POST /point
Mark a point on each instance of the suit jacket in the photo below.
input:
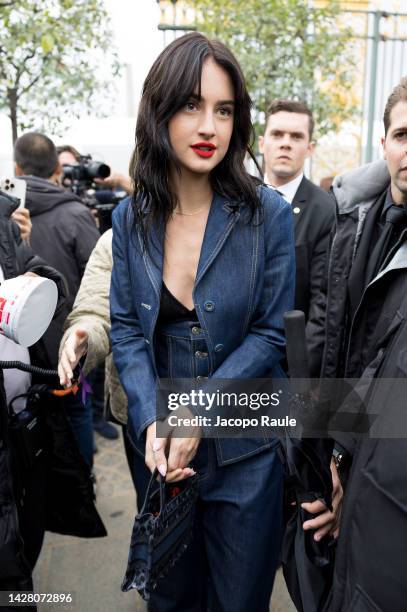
(244, 284)
(312, 228)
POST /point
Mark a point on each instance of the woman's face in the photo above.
(200, 132)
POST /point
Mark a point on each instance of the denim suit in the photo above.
(244, 284)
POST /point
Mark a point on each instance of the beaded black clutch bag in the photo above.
(161, 533)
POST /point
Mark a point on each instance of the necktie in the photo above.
(396, 216)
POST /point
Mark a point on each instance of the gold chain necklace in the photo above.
(190, 214)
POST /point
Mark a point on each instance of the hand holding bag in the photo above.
(161, 532)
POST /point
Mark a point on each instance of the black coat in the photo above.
(370, 569)
(312, 227)
(366, 336)
(69, 496)
(16, 257)
(64, 234)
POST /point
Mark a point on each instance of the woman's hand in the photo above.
(327, 522)
(22, 217)
(181, 451)
(76, 345)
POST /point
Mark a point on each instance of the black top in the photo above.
(171, 309)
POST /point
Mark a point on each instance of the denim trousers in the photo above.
(231, 562)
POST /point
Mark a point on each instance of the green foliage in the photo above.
(51, 55)
(288, 50)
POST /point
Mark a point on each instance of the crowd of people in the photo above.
(192, 282)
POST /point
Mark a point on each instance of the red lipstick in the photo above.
(204, 149)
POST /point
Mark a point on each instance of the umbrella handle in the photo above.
(297, 352)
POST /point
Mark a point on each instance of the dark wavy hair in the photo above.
(173, 78)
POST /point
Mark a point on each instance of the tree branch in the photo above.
(28, 87)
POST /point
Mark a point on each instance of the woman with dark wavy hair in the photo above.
(203, 272)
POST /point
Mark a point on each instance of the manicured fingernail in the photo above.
(156, 445)
(162, 469)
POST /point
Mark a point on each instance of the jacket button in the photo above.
(200, 354)
(218, 348)
(196, 330)
(201, 378)
(209, 306)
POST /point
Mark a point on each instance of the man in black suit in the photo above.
(285, 145)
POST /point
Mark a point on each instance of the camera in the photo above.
(85, 171)
(80, 179)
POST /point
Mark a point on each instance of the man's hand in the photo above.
(22, 217)
(76, 345)
(327, 522)
(181, 451)
(116, 181)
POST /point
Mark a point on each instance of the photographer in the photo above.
(100, 189)
(69, 156)
(64, 233)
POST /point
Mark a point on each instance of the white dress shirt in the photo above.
(288, 190)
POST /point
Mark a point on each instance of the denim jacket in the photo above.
(245, 282)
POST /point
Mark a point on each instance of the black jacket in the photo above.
(16, 257)
(312, 227)
(64, 232)
(69, 503)
(355, 193)
(369, 345)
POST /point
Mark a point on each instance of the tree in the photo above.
(51, 57)
(287, 50)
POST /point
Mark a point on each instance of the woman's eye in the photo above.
(225, 111)
(401, 135)
(191, 106)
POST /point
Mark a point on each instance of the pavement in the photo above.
(92, 570)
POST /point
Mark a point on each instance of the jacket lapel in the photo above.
(299, 201)
(356, 279)
(153, 258)
(221, 219)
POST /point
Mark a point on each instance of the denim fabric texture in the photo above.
(244, 284)
(238, 527)
(231, 562)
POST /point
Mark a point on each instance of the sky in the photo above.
(138, 41)
(136, 36)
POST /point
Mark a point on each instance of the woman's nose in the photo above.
(207, 124)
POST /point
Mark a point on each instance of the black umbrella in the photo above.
(307, 564)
